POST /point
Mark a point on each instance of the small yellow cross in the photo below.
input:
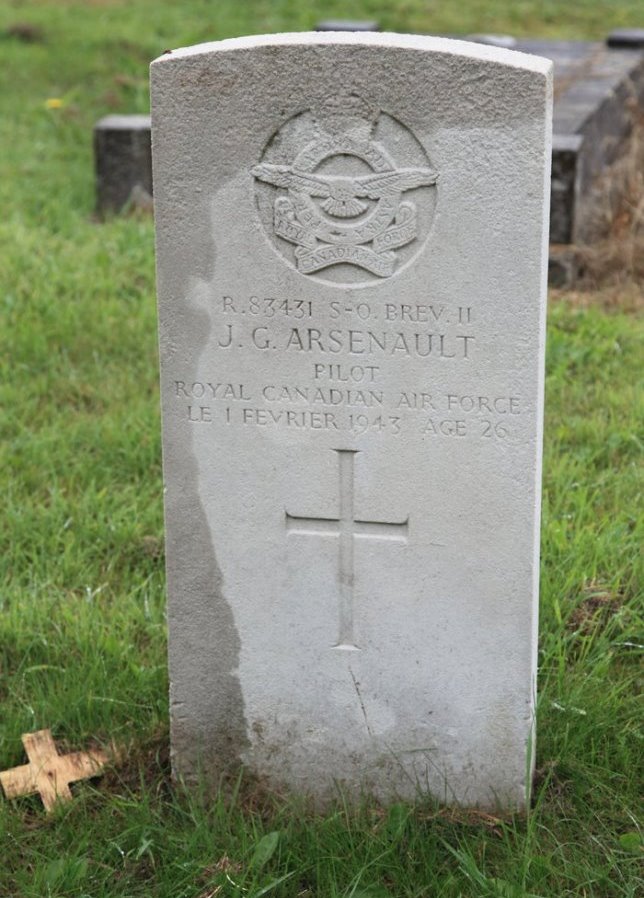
(49, 773)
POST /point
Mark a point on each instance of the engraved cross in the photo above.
(347, 527)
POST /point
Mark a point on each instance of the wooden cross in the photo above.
(347, 528)
(49, 773)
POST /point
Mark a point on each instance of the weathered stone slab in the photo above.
(351, 246)
(123, 162)
(598, 93)
(564, 186)
(598, 89)
(632, 38)
(347, 25)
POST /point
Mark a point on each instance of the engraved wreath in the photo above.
(331, 194)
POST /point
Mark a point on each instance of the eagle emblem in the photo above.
(342, 196)
(338, 201)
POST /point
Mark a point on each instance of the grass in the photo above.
(82, 632)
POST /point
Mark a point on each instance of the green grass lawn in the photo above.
(82, 632)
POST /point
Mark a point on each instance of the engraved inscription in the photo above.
(330, 191)
(347, 528)
(343, 385)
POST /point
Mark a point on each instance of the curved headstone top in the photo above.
(351, 258)
(426, 43)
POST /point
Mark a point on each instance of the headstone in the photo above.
(494, 40)
(630, 38)
(123, 161)
(347, 25)
(598, 91)
(351, 251)
(564, 195)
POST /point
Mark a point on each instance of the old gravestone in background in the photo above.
(351, 243)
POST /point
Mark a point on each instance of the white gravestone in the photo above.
(351, 247)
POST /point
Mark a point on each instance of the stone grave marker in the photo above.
(351, 251)
(122, 162)
(347, 25)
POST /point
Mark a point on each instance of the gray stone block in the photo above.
(595, 90)
(494, 40)
(563, 185)
(123, 161)
(563, 266)
(346, 25)
(626, 37)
